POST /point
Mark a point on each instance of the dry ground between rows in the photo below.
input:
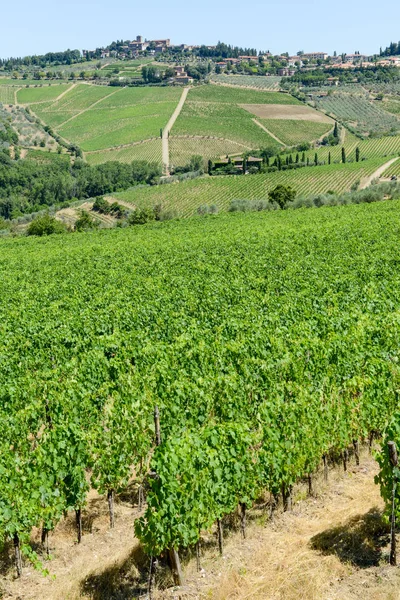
(283, 111)
(333, 546)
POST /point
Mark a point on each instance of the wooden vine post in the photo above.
(18, 556)
(394, 462)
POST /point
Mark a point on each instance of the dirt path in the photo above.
(269, 132)
(66, 92)
(167, 129)
(367, 181)
(88, 108)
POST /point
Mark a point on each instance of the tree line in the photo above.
(27, 187)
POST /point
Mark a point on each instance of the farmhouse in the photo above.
(286, 72)
(315, 56)
(238, 162)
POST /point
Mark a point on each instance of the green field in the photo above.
(248, 81)
(102, 117)
(264, 341)
(7, 94)
(41, 93)
(186, 197)
(215, 111)
(150, 151)
(394, 169)
(182, 149)
(292, 132)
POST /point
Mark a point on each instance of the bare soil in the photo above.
(286, 111)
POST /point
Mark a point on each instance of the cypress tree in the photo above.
(329, 158)
(279, 163)
(303, 157)
(308, 161)
(287, 161)
(297, 157)
(343, 155)
(357, 154)
(290, 159)
(316, 159)
(336, 131)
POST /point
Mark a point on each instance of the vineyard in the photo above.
(41, 93)
(100, 117)
(296, 131)
(185, 198)
(267, 345)
(7, 94)
(394, 169)
(147, 150)
(271, 83)
(214, 111)
(358, 114)
(183, 148)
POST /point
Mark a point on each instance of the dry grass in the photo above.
(331, 547)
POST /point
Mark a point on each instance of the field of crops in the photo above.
(41, 93)
(7, 94)
(219, 359)
(187, 197)
(249, 81)
(372, 148)
(182, 149)
(292, 132)
(392, 105)
(101, 117)
(394, 169)
(148, 150)
(215, 111)
(358, 113)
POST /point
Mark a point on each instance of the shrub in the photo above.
(85, 222)
(45, 225)
(140, 216)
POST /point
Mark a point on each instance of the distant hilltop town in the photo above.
(230, 55)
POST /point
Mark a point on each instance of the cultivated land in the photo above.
(187, 197)
(291, 313)
(285, 111)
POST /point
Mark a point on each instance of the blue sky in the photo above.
(345, 26)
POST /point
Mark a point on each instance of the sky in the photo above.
(313, 26)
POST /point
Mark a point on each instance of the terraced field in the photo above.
(186, 197)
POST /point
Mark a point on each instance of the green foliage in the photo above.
(387, 473)
(45, 225)
(85, 222)
(140, 216)
(282, 194)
